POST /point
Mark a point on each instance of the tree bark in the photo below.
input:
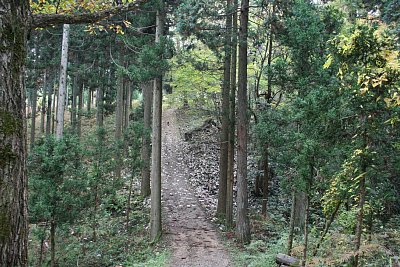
(147, 91)
(300, 211)
(362, 189)
(265, 181)
(49, 106)
(306, 218)
(118, 123)
(231, 147)
(33, 118)
(224, 136)
(62, 83)
(54, 112)
(269, 90)
(257, 182)
(13, 181)
(89, 100)
(100, 107)
(80, 109)
(155, 216)
(53, 243)
(74, 104)
(43, 110)
(127, 103)
(291, 224)
(242, 221)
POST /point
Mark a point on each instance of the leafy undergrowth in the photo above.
(335, 251)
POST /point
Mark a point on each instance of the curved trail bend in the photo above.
(192, 238)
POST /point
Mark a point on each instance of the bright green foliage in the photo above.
(368, 54)
(194, 79)
(368, 68)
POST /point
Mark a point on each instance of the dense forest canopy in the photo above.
(281, 117)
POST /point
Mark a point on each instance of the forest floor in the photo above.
(193, 239)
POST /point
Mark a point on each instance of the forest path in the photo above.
(192, 238)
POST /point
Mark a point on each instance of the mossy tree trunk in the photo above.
(13, 179)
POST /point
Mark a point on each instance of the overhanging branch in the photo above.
(46, 20)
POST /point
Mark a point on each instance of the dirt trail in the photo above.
(193, 240)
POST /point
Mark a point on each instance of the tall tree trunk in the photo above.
(13, 183)
(100, 107)
(89, 100)
(127, 89)
(63, 82)
(43, 110)
(53, 242)
(300, 212)
(54, 112)
(269, 90)
(242, 221)
(291, 224)
(80, 110)
(362, 193)
(265, 181)
(41, 250)
(155, 216)
(49, 106)
(118, 123)
(74, 104)
(224, 136)
(33, 119)
(306, 218)
(231, 147)
(99, 174)
(147, 91)
(128, 94)
(257, 182)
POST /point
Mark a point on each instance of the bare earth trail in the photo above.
(193, 239)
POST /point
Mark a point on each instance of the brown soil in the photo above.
(193, 240)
